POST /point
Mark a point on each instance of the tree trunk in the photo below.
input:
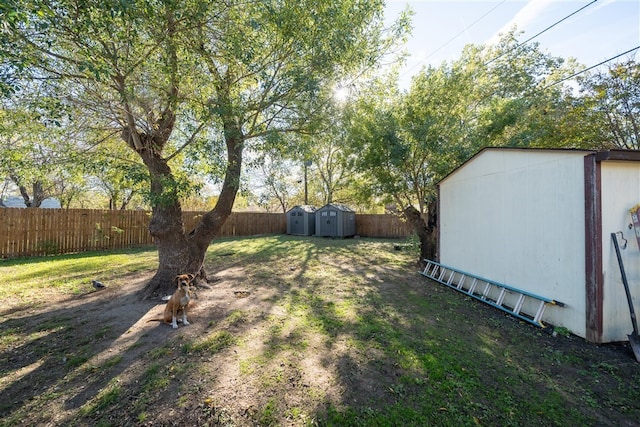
(181, 252)
(425, 227)
(38, 193)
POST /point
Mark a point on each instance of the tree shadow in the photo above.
(324, 332)
(71, 351)
(402, 350)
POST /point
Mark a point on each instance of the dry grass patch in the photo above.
(293, 331)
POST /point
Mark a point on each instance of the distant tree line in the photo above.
(178, 104)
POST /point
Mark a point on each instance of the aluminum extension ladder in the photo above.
(518, 303)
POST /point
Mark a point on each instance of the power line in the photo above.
(590, 68)
(541, 32)
(463, 31)
(509, 51)
(456, 36)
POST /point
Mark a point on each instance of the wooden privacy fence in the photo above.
(388, 226)
(29, 232)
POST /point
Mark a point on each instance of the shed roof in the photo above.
(306, 208)
(337, 206)
(601, 155)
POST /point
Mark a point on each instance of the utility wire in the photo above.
(456, 36)
(464, 30)
(590, 68)
(541, 32)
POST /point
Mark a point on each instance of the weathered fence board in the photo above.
(389, 226)
(32, 232)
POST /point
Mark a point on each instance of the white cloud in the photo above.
(599, 6)
(528, 14)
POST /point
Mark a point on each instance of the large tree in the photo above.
(608, 112)
(35, 156)
(175, 77)
(395, 164)
(500, 95)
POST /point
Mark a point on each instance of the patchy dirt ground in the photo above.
(108, 333)
(276, 345)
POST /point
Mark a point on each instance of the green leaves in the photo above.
(182, 81)
(612, 101)
(491, 96)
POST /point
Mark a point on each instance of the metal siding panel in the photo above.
(620, 192)
(518, 217)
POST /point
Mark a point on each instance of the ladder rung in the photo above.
(540, 311)
(451, 276)
(501, 296)
(436, 270)
(457, 279)
(463, 277)
(430, 268)
(519, 303)
(427, 269)
(472, 288)
(486, 291)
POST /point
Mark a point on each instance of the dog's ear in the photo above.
(191, 277)
(177, 279)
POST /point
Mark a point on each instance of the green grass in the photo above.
(112, 361)
(70, 274)
(106, 398)
(237, 317)
(334, 333)
(210, 344)
(450, 368)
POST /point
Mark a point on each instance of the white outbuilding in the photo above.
(18, 202)
(541, 220)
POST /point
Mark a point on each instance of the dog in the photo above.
(179, 302)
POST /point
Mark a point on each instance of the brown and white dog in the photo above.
(179, 302)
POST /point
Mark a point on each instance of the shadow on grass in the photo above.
(328, 332)
(403, 350)
(70, 354)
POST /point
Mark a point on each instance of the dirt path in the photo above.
(290, 340)
(90, 330)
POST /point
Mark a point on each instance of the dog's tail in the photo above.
(160, 319)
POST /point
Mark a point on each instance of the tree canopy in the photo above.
(200, 79)
(177, 93)
(502, 95)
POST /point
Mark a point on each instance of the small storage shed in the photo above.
(301, 220)
(541, 220)
(335, 220)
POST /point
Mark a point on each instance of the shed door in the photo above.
(329, 223)
(297, 222)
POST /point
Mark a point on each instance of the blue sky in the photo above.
(441, 29)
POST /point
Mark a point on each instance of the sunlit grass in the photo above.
(211, 343)
(107, 397)
(337, 314)
(237, 317)
(32, 278)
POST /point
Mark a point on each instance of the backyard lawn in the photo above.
(291, 331)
